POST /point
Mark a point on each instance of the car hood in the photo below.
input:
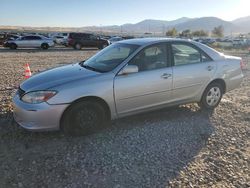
(56, 76)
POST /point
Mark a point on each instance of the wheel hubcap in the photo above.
(213, 96)
(86, 119)
(78, 46)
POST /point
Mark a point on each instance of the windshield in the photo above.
(109, 58)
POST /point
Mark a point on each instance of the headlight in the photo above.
(38, 96)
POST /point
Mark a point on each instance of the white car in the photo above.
(30, 41)
(60, 40)
(115, 39)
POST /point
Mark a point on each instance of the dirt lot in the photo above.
(176, 147)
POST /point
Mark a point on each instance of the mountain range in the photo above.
(240, 25)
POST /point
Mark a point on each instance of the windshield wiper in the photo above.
(90, 68)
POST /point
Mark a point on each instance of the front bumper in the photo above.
(38, 117)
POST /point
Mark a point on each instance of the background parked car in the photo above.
(79, 40)
(60, 40)
(31, 41)
(115, 39)
(6, 36)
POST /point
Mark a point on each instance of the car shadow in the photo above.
(145, 150)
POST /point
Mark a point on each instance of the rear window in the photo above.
(184, 53)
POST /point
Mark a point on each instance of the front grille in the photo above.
(20, 92)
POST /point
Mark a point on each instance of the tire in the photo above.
(13, 46)
(211, 96)
(83, 118)
(78, 46)
(44, 46)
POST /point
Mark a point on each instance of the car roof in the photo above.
(35, 36)
(148, 41)
(116, 37)
(31, 36)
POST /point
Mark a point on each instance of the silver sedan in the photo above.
(128, 77)
(30, 41)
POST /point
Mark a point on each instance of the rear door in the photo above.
(192, 70)
(85, 42)
(93, 41)
(148, 88)
(36, 41)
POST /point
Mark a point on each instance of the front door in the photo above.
(149, 87)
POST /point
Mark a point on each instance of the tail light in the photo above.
(70, 40)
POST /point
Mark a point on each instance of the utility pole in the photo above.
(163, 29)
(100, 29)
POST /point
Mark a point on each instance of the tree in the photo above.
(186, 33)
(218, 31)
(171, 33)
(200, 33)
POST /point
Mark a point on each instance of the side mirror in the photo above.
(129, 69)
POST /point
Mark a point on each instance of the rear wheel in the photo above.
(44, 46)
(83, 118)
(211, 96)
(78, 46)
(13, 46)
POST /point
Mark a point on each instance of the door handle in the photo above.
(166, 76)
(209, 68)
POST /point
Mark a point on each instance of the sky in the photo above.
(78, 13)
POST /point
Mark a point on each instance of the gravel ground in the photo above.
(174, 147)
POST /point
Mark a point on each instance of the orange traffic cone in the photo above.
(27, 73)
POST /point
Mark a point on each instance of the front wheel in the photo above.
(44, 46)
(211, 96)
(13, 46)
(83, 118)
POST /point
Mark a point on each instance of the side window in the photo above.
(78, 35)
(150, 58)
(87, 36)
(185, 54)
(92, 37)
(29, 38)
(24, 38)
(36, 38)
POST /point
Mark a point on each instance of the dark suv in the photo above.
(5, 36)
(79, 40)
